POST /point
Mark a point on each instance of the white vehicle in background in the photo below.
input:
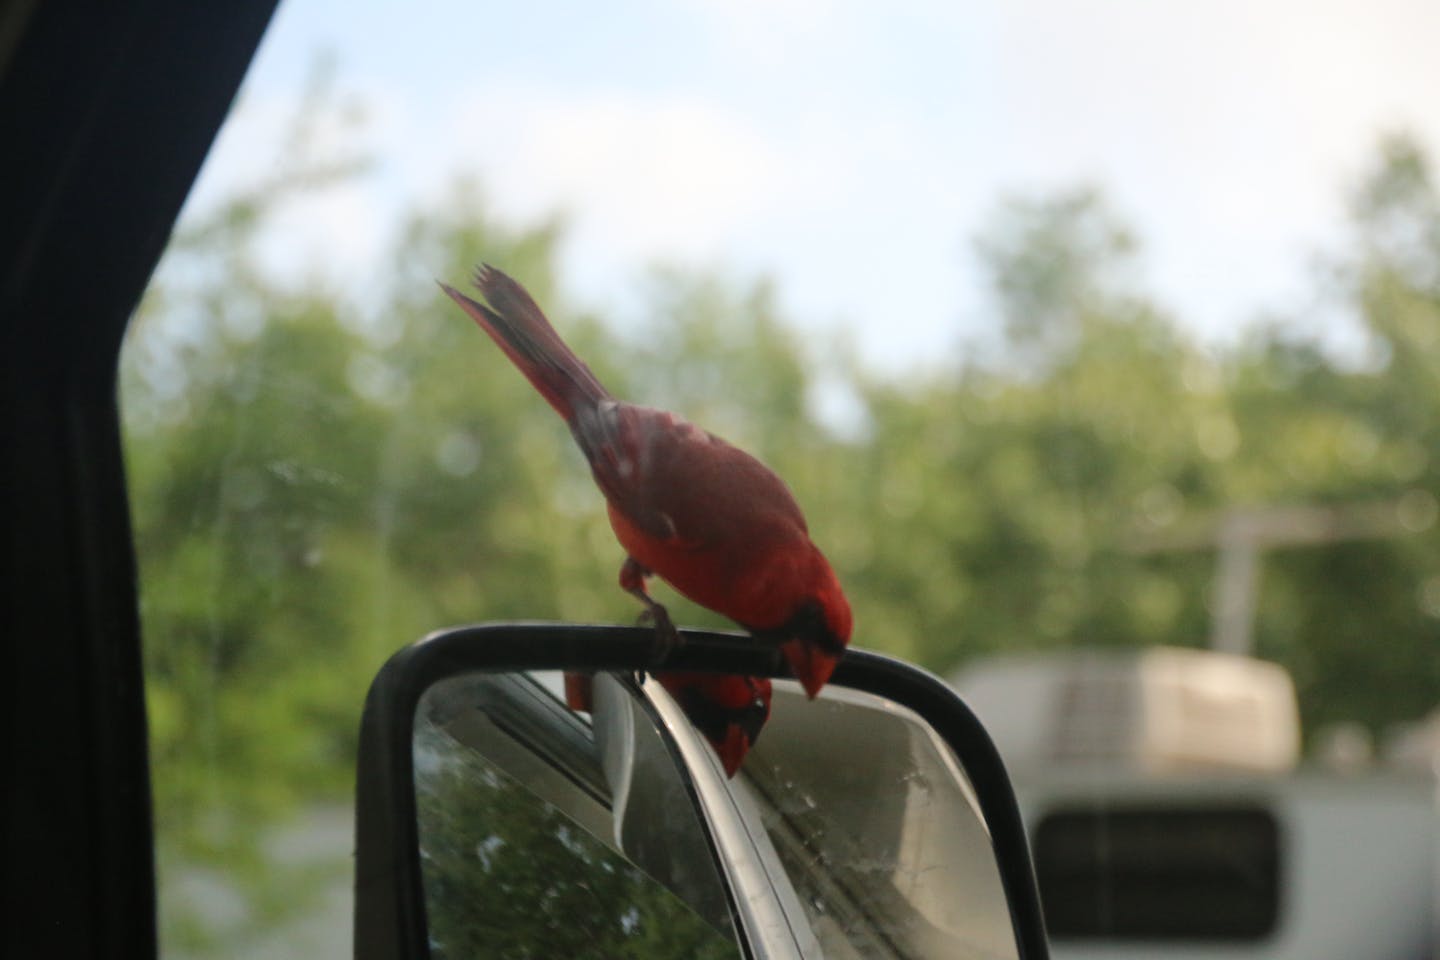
(1170, 815)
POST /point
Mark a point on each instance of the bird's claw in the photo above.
(667, 638)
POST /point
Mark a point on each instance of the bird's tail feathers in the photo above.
(517, 325)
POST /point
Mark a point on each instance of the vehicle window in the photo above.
(524, 851)
(1159, 873)
(878, 831)
(1069, 325)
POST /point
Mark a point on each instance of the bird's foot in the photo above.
(667, 638)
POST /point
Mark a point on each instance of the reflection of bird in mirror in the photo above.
(703, 515)
(729, 710)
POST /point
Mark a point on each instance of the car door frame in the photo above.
(106, 111)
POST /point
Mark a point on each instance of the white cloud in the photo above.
(852, 150)
(768, 30)
(337, 230)
(639, 175)
(1229, 130)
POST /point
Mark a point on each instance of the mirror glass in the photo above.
(549, 833)
(520, 835)
(878, 829)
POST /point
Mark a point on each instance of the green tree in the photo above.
(317, 481)
(508, 875)
(1358, 623)
(314, 484)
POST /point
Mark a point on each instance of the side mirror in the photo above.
(493, 821)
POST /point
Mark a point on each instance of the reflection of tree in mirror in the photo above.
(508, 875)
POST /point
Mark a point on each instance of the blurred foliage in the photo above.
(317, 482)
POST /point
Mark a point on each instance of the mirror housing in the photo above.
(390, 910)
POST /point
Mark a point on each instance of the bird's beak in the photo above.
(811, 665)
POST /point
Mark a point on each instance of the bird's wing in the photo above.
(683, 485)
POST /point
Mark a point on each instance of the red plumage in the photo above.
(729, 710)
(708, 518)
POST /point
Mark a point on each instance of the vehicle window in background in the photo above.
(1199, 873)
(1035, 342)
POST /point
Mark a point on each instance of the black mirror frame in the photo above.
(390, 919)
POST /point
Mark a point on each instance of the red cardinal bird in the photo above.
(729, 710)
(708, 518)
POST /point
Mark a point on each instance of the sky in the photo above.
(852, 151)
